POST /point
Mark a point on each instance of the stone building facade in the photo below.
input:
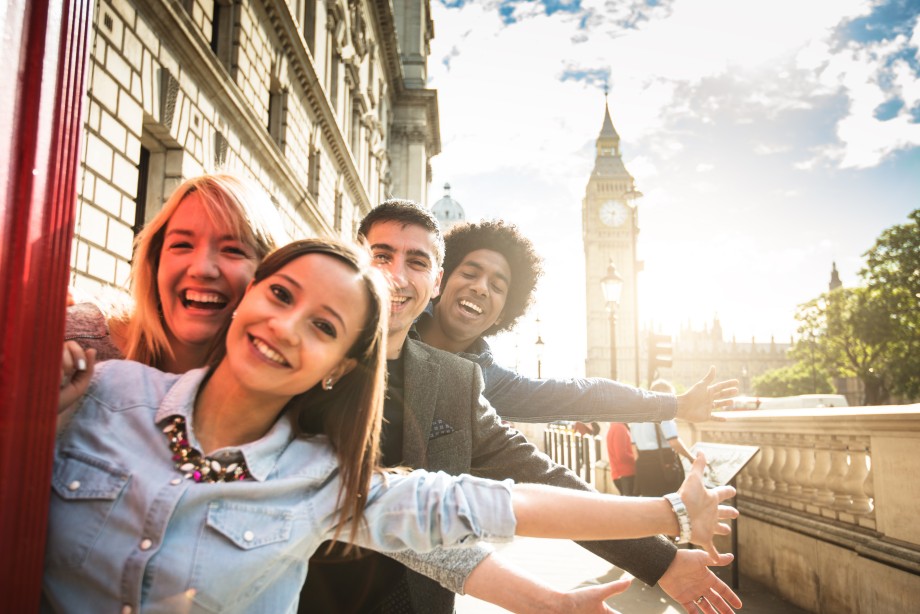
(322, 102)
(695, 350)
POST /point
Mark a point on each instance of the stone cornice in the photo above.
(194, 56)
(428, 99)
(388, 41)
(301, 62)
(382, 17)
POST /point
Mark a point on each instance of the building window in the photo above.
(355, 129)
(313, 170)
(334, 79)
(224, 33)
(277, 112)
(309, 25)
(337, 220)
(140, 201)
(159, 172)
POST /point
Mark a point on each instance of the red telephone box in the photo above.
(45, 46)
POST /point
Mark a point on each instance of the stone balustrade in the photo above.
(829, 504)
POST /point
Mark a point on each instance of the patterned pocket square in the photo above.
(440, 428)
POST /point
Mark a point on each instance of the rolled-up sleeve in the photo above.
(423, 510)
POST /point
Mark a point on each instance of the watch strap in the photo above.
(683, 518)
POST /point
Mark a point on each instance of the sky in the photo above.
(769, 139)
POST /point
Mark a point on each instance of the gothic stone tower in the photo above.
(610, 227)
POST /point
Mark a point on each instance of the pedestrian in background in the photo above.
(622, 458)
(658, 467)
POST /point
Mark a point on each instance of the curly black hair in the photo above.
(499, 236)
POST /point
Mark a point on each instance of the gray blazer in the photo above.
(449, 426)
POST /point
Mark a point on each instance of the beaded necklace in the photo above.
(195, 466)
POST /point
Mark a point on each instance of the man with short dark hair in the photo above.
(436, 418)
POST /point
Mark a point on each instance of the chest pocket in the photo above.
(450, 453)
(252, 540)
(86, 490)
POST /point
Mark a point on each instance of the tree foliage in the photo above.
(849, 333)
(871, 332)
(892, 276)
(797, 378)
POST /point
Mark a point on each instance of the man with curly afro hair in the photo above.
(490, 274)
(468, 248)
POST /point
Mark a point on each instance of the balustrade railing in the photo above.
(827, 475)
(829, 504)
(576, 451)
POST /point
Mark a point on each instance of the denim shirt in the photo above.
(127, 532)
(519, 398)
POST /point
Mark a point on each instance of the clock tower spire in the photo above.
(610, 227)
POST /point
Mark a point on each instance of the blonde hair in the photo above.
(228, 201)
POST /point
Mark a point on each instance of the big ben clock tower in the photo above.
(610, 225)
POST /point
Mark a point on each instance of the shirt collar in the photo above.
(261, 455)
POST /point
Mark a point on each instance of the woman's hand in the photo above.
(591, 599)
(76, 373)
(704, 510)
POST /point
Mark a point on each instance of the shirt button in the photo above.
(125, 609)
(249, 536)
(175, 481)
(146, 544)
(74, 485)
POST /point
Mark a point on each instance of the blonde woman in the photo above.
(191, 264)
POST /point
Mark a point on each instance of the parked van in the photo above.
(799, 401)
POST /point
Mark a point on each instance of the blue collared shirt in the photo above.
(644, 436)
(127, 531)
(594, 399)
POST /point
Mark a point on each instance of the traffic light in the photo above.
(660, 354)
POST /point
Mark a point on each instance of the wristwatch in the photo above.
(683, 518)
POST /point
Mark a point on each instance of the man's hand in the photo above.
(76, 373)
(688, 578)
(704, 509)
(696, 404)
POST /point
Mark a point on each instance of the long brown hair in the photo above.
(350, 414)
(228, 201)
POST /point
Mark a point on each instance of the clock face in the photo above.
(614, 213)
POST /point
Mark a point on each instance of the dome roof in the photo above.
(448, 211)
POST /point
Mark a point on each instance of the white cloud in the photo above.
(761, 99)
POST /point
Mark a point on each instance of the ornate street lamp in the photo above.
(612, 287)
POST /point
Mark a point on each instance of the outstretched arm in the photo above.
(547, 511)
(501, 583)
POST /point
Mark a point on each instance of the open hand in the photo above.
(697, 404)
(704, 509)
(76, 373)
(688, 578)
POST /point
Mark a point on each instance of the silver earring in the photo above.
(327, 385)
(233, 315)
